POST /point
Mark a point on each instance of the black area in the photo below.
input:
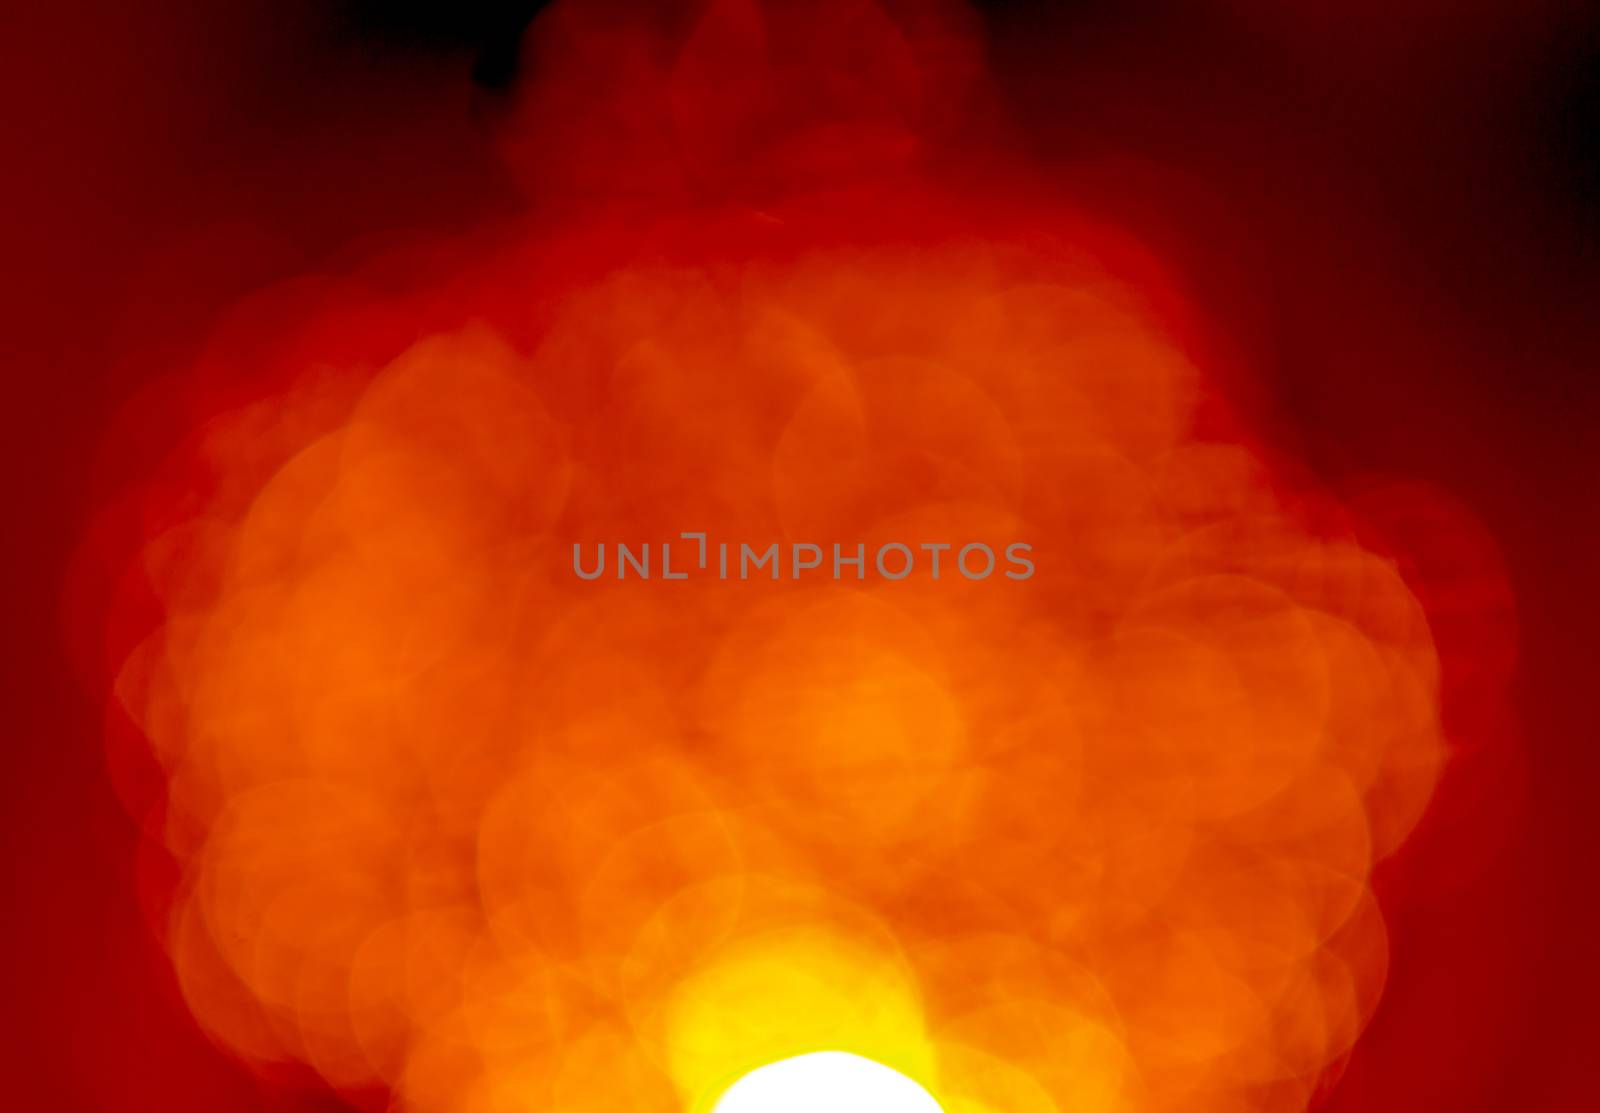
(1570, 127)
(1058, 26)
(490, 30)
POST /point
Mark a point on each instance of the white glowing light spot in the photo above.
(826, 1082)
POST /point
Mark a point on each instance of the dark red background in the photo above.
(1392, 208)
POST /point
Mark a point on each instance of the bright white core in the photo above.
(826, 1082)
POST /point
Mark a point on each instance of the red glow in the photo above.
(428, 820)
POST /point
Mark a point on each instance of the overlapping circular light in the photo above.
(453, 823)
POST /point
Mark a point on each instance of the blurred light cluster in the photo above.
(455, 826)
